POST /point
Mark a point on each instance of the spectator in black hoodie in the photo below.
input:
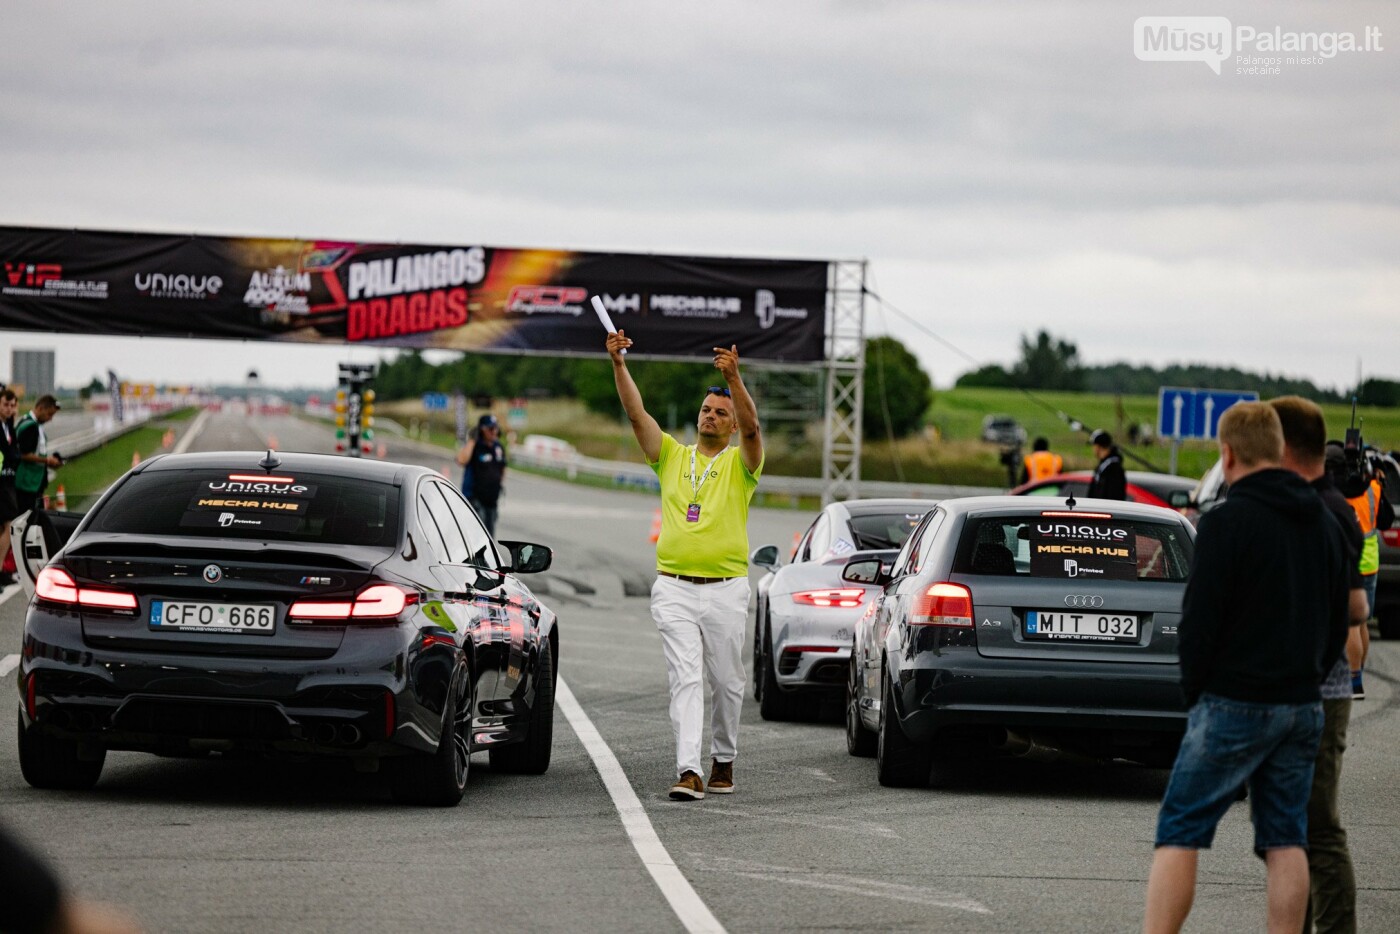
(1263, 621)
(1109, 481)
(1332, 906)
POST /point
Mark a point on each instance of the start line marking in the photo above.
(683, 900)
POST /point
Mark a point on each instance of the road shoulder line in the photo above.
(692, 912)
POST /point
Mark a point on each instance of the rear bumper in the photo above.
(812, 651)
(959, 688)
(375, 699)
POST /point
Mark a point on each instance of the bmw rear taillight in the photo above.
(55, 585)
(375, 602)
(850, 596)
(942, 604)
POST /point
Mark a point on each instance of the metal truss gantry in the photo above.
(845, 380)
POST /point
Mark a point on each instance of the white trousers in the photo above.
(702, 631)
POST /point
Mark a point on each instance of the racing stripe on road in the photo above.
(199, 422)
(683, 900)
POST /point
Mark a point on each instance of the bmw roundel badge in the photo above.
(213, 574)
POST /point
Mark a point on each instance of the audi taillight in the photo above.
(850, 596)
(942, 604)
(56, 585)
(377, 601)
(1391, 537)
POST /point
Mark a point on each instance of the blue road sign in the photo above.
(1195, 413)
(435, 401)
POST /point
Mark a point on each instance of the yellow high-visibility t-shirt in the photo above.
(717, 543)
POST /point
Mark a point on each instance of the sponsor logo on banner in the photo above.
(410, 294)
(696, 306)
(280, 290)
(547, 300)
(420, 272)
(180, 285)
(1104, 550)
(622, 304)
(765, 306)
(45, 280)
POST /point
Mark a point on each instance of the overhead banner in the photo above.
(470, 298)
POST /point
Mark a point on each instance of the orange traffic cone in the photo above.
(168, 439)
(272, 442)
(60, 500)
(383, 450)
(796, 540)
(655, 535)
(135, 458)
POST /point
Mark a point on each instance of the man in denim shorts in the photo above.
(1263, 620)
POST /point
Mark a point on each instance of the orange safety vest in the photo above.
(1368, 507)
(1043, 464)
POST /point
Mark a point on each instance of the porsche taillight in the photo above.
(846, 596)
(942, 604)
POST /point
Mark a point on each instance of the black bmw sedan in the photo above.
(1014, 627)
(292, 604)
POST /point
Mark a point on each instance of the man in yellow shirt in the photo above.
(701, 596)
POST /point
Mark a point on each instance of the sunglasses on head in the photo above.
(717, 391)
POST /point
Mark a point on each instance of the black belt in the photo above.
(692, 579)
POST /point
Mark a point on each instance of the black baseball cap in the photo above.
(1101, 438)
(487, 421)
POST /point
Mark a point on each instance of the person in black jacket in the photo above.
(1332, 905)
(1110, 482)
(1263, 621)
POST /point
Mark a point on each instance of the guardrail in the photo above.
(71, 445)
(640, 477)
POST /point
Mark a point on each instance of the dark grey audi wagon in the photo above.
(1009, 627)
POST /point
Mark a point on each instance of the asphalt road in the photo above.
(809, 842)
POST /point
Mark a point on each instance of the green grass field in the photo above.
(87, 476)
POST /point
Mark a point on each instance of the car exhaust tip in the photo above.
(349, 734)
(323, 733)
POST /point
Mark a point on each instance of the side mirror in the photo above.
(766, 556)
(1179, 499)
(865, 571)
(528, 558)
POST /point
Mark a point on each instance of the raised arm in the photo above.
(646, 429)
(745, 412)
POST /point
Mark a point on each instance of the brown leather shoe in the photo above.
(687, 788)
(721, 778)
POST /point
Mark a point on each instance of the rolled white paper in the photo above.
(603, 317)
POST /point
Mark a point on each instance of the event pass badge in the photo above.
(692, 514)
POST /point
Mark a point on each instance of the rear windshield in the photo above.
(1075, 548)
(280, 507)
(884, 530)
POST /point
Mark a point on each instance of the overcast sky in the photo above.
(1005, 167)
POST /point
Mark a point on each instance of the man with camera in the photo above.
(32, 471)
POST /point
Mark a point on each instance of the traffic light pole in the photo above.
(354, 409)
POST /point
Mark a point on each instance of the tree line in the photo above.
(897, 390)
(1051, 363)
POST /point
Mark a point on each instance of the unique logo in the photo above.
(1084, 601)
(179, 285)
(212, 572)
(226, 519)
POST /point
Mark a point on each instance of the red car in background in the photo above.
(1152, 489)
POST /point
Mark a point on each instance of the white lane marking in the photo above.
(684, 901)
(199, 421)
(9, 592)
(7, 664)
(838, 882)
